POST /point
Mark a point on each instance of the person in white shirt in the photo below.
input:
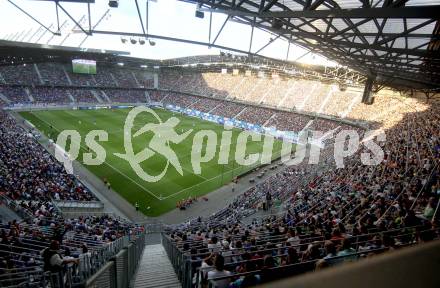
(214, 245)
(84, 259)
(226, 252)
(219, 271)
(293, 239)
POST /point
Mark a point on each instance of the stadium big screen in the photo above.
(83, 66)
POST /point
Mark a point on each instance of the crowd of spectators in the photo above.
(276, 92)
(256, 115)
(259, 253)
(222, 85)
(157, 96)
(31, 180)
(319, 98)
(286, 121)
(58, 74)
(205, 105)
(228, 109)
(15, 94)
(191, 82)
(52, 74)
(78, 79)
(296, 94)
(21, 74)
(124, 78)
(179, 99)
(328, 215)
(248, 90)
(299, 94)
(341, 103)
(168, 80)
(83, 95)
(29, 172)
(105, 77)
(340, 215)
(75, 246)
(144, 79)
(49, 95)
(126, 95)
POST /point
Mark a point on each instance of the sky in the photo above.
(166, 17)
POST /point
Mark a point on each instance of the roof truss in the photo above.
(394, 38)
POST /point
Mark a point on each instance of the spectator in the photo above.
(53, 261)
(219, 271)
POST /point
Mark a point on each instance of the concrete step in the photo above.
(153, 277)
(164, 283)
(155, 269)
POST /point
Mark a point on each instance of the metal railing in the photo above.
(120, 269)
(275, 273)
(112, 265)
(186, 264)
(13, 205)
(78, 204)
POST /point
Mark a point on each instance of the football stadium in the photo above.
(219, 143)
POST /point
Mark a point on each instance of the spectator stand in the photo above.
(309, 249)
(84, 271)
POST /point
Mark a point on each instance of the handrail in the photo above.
(77, 204)
(380, 250)
(436, 210)
(178, 244)
(11, 204)
(315, 243)
(393, 202)
(89, 264)
(183, 262)
(424, 185)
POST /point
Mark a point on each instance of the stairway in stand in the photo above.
(155, 269)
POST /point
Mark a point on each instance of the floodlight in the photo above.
(113, 3)
(200, 14)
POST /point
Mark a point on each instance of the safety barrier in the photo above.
(270, 274)
(413, 267)
(154, 227)
(178, 260)
(14, 206)
(119, 270)
(112, 265)
(78, 204)
(186, 265)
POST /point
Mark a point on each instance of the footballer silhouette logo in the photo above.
(163, 134)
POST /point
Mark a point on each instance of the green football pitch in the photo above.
(159, 197)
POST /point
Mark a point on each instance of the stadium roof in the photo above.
(394, 41)
(12, 52)
(17, 53)
(387, 38)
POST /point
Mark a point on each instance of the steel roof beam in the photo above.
(33, 18)
(73, 19)
(401, 12)
(270, 42)
(140, 17)
(220, 31)
(73, 1)
(358, 46)
(315, 4)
